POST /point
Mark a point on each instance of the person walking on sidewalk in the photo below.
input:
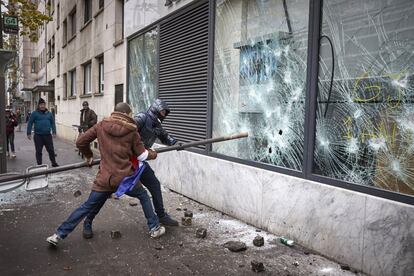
(11, 123)
(119, 141)
(88, 117)
(44, 125)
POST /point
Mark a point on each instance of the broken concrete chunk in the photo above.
(188, 214)
(77, 193)
(185, 221)
(201, 233)
(178, 209)
(180, 243)
(115, 234)
(257, 266)
(258, 241)
(235, 246)
(133, 203)
(296, 263)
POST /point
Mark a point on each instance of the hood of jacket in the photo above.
(157, 107)
(118, 124)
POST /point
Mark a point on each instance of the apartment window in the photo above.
(119, 20)
(65, 86)
(58, 64)
(101, 75)
(33, 64)
(87, 89)
(65, 32)
(58, 15)
(72, 83)
(87, 10)
(72, 23)
(50, 7)
(101, 4)
(49, 50)
(52, 45)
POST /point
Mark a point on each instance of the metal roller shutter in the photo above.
(183, 63)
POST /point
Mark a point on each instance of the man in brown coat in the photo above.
(118, 142)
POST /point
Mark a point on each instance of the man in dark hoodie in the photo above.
(44, 125)
(119, 141)
(150, 128)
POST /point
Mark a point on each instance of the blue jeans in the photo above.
(95, 202)
(151, 182)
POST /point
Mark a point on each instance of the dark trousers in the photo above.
(10, 140)
(151, 182)
(96, 201)
(47, 141)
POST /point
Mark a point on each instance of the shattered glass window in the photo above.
(142, 56)
(260, 78)
(365, 112)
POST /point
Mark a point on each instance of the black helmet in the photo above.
(157, 107)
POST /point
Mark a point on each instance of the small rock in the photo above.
(201, 233)
(181, 244)
(257, 266)
(258, 241)
(133, 203)
(188, 214)
(158, 247)
(345, 267)
(77, 193)
(258, 230)
(178, 209)
(241, 265)
(115, 234)
(235, 246)
(296, 263)
(186, 221)
(185, 209)
(67, 268)
(306, 253)
(200, 209)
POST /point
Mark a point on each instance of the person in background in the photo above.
(88, 117)
(28, 116)
(44, 127)
(11, 123)
(19, 120)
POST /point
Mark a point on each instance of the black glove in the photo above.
(179, 144)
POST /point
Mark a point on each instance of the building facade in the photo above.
(80, 56)
(324, 89)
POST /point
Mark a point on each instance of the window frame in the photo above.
(87, 11)
(101, 75)
(87, 78)
(72, 81)
(311, 91)
(73, 24)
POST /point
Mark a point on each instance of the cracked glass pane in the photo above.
(365, 113)
(260, 79)
(142, 71)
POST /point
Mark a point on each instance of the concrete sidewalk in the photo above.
(26, 219)
(25, 153)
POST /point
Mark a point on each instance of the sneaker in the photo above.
(54, 239)
(157, 231)
(168, 221)
(87, 231)
(55, 165)
(8, 154)
(13, 155)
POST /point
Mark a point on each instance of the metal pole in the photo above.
(3, 162)
(97, 161)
